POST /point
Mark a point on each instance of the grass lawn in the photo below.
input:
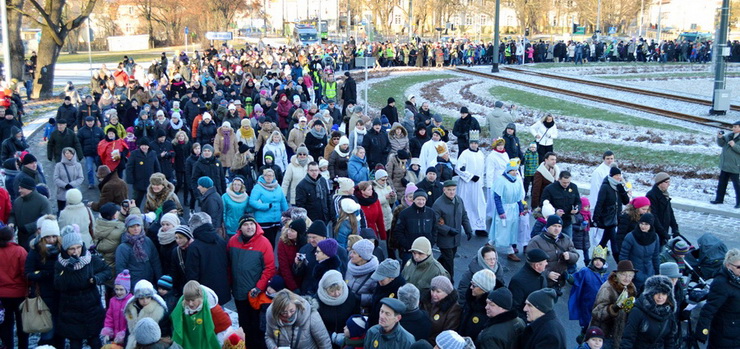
(396, 87)
(535, 101)
(108, 57)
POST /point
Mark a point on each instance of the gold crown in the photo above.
(440, 130)
(515, 162)
(441, 149)
(600, 252)
(498, 142)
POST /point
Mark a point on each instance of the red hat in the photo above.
(640, 201)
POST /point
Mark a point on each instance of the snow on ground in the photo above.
(648, 68)
(700, 87)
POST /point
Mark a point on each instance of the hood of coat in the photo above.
(205, 233)
(398, 126)
(294, 160)
(74, 156)
(223, 129)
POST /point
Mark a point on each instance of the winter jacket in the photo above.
(26, 210)
(420, 274)
(115, 325)
(377, 147)
(565, 199)
(462, 129)
(555, 247)
(67, 172)
(383, 192)
(286, 258)
(335, 316)
(445, 169)
(212, 204)
(279, 155)
(12, 145)
(391, 113)
(398, 338)
(512, 146)
(81, 314)
(357, 169)
(645, 258)
(267, 204)
(417, 141)
(105, 150)
(315, 145)
(434, 189)
(167, 160)
(398, 142)
(140, 167)
(12, 274)
(721, 313)
(206, 261)
(155, 310)
(85, 110)
(81, 215)
(252, 263)
(373, 213)
(541, 179)
(455, 218)
(729, 160)
(390, 290)
(524, 282)
(547, 134)
(211, 168)
(68, 113)
(89, 138)
(206, 132)
(107, 238)
(581, 239)
(294, 175)
(414, 222)
(307, 271)
(112, 189)
(586, 285)
(150, 269)
(359, 281)
(235, 206)
(226, 156)
(396, 175)
(308, 331)
(609, 204)
(314, 196)
(545, 332)
(338, 165)
(661, 208)
(445, 315)
(417, 322)
(477, 264)
(605, 314)
(474, 316)
(648, 327)
(60, 140)
(41, 273)
(502, 331)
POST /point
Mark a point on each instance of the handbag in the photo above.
(35, 315)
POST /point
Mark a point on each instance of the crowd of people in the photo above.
(253, 175)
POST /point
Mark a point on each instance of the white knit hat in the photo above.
(48, 226)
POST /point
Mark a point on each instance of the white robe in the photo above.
(428, 155)
(505, 232)
(472, 192)
(495, 167)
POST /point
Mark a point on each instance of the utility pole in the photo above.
(598, 18)
(660, 15)
(721, 97)
(89, 50)
(6, 43)
(411, 10)
(494, 67)
(642, 8)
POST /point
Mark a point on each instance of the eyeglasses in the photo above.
(735, 266)
(288, 312)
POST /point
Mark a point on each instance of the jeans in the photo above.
(91, 167)
(725, 177)
(29, 88)
(568, 230)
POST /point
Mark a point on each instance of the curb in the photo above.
(680, 203)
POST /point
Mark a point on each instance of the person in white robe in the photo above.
(429, 151)
(471, 169)
(496, 162)
(597, 177)
(508, 193)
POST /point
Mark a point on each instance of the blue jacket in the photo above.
(149, 270)
(357, 169)
(587, 283)
(261, 199)
(645, 258)
(232, 212)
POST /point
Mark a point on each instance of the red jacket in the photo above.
(5, 205)
(13, 282)
(374, 217)
(286, 259)
(252, 263)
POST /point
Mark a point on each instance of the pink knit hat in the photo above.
(640, 201)
(124, 279)
(410, 189)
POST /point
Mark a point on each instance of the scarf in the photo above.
(363, 201)
(77, 262)
(331, 301)
(361, 270)
(176, 126)
(644, 239)
(321, 189)
(500, 151)
(194, 330)
(165, 237)
(227, 140)
(290, 321)
(137, 242)
(237, 197)
(302, 162)
(247, 133)
(339, 151)
(613, 182)
(549, 124)
(318, 134)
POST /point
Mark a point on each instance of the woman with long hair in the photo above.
(348, 222)
(268, 202)
(292, 238)
(368, 200)
(236, 201)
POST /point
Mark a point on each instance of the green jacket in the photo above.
(729, 160)
(421, 274)
(399, 338)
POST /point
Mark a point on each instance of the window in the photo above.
(129, 28)
(468, 20)
(130, 10)
(484, 20)
(509, 21)
(397, 19)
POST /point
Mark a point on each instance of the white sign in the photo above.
(219, 35)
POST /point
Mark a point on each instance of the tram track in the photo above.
(601, 99)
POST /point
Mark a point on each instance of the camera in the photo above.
(125, 204)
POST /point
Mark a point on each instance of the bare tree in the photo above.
(54, 31)
(15, 19)
(618, 14)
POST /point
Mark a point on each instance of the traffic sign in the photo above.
(187, 30)
(219, 35)
(580, 31)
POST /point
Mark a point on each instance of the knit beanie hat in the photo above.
(614, 171)
(409, 295)
(640, 201)
(661, 177)
(681, 247)
(547, 209)
(133, 219)
(302, 150)
(422, 244)
(485, 279)
(317, 228)
(168, 206)
(299, 225)
(329, 247)
(543, 299)
(48, 225)
(208, 147)
(26, 182)
(343, 141)
(364, 249)
(647, 218)
(349, 206)
(73, 196)
(345, 184)
(165, 282)
(554, 219)
(71, 236)
(147, 331)
(277, 283)
(357, 326)
(170, 218)
(144, 288)
(380, 174)
(502, 297)
(388, 268)
(593, 332)
(450, 340)
(124, 279)
(442, 283)
(368, 233)
(419, 193)
(205, 182)
(184, 230)
(108, 210)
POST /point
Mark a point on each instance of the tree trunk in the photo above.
(14, 38)
(47, 59)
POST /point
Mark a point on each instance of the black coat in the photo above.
(462, 129)
(433, 189)
(660, 207)
(68, 113)
(335, 316)
(207, 262)
(414, 222)
(12, 145)
(207, 132)
(81, 314)
(140, 167)
(349, 91)
(721, 314)
(391, 113)
(512, 146)
(307, 269)
(41, 273)
(502, 331)
(609, 204)
(646, 329)
(389, 290)
(418, 323)
(563, 198)
(166, 162)
(524, 282)
(314, 196)
(315, 145)
(474, 317)
(417, 140)
(211, 203)
(60, 140)
(377, 147)
(88, 110)
(211, 168)
(89, 138)
(545, 332)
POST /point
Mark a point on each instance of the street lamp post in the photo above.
(6, 43)
(494, 67)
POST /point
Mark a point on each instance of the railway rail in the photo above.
(601, 99)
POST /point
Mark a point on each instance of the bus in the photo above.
(305, 35)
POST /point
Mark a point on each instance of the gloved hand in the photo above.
(475, 178)
(68, 186)
(120, 337)
(675, 234)
(72, 262)
(469, 235)
(337, 338)
(254, 292)
(453, 232)
(461, 168)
